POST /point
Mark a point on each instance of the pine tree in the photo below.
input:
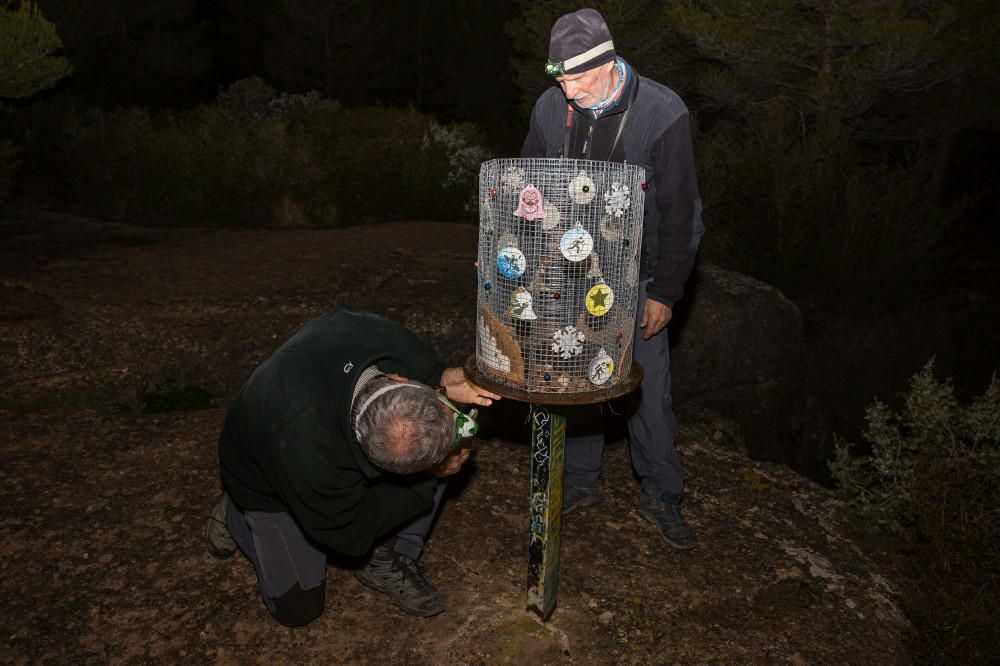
(27, 45)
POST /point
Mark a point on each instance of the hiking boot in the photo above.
(663, 510)
(575, 497)
(217, 538)
(403, 580)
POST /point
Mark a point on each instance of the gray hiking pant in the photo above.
(652, 428)
(291, 569)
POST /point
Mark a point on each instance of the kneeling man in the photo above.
(336, 442)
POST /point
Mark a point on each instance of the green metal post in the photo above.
(548, 446)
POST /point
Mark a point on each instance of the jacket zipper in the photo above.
(586, 143)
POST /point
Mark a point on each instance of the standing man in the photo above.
(328, 445)
(603, 110)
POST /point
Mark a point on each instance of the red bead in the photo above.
(493, 191)
(619, 335)
(645, 186)
(556, 296)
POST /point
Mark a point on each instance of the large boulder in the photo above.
(737, 347)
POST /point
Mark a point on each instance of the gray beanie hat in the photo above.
(579, 41)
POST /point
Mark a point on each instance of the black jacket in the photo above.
(657, 137)
(288, 444)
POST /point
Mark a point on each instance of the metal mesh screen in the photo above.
(559, 245)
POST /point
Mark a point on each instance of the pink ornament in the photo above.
(530, 204)
(644, 186)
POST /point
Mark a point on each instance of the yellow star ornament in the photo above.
(599, 299)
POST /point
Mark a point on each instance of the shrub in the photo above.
(932, 477)
(201, 167)
(259, 158)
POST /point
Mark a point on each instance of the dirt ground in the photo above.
(104, 503)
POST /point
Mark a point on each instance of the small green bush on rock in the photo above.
(933, 479)
(916, 453)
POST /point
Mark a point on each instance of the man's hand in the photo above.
(655, 316)
(451, 464)
(460, 389)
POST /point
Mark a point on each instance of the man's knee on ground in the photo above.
(299, 607)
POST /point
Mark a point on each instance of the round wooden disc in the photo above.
(582, 398)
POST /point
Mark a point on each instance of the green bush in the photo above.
(258, 158)
(932, 477)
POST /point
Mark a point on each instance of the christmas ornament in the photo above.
(610, 229)
(581, 189)
(632, 273)
(529, 204)
(520, 305)
(601, 368)
(552, 217)
(497, 347)
(486, 218)
(507, 240)
(568, 342)
(512, 179)
(599, 299)
(617, 200)
(576, 244)
(511, 263)
(594, 270)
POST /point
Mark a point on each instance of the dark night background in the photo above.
(847, 152)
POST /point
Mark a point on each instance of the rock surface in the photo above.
(738, 349)
(104, 505)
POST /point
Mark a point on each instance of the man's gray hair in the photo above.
(403, 430)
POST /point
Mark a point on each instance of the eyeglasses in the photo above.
(465, 424)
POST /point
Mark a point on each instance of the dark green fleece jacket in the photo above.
(288, 445)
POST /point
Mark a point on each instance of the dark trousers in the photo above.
(652, 427)
(291, 569)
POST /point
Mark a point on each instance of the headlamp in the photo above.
(465, 424)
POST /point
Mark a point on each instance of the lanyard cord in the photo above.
(569, 131)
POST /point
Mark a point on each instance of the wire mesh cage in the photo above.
(559, 243)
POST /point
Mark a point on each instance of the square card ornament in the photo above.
(559, 244)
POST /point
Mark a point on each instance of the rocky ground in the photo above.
(103, 501)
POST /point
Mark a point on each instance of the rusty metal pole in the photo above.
(548, 446)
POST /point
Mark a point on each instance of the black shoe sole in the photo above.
(673, 544)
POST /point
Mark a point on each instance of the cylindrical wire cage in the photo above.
(559, 244)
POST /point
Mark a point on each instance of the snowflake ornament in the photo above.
(512, 179)
(568, 342)
(617, 200)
